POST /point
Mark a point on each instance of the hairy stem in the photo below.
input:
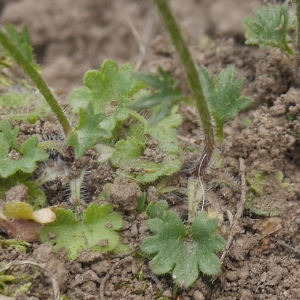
(193, 79)
(37, 80)
(298, 23)
(137, 117)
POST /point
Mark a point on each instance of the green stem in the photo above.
(298, 23)
(289, 50)
(193, 79)
(137, 117)
(37, 80)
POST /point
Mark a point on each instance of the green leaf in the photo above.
(95, 231)
(128, 156)
(23, 43)
(109, 92)
(14, 158)
(165, 133)
(102, 87)
(257, 181)
(223, 96)
(269, 28)
(193, 248)
(118, 116)
(36, 197)
(157, 210)
(9, 134)
(164, 99)
(88, 131)
(141, 204)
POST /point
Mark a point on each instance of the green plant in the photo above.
(258, 182)
(270, 28)
(194, 246)
(96, 230)
(19, 162)
(100, 108)
(194, 243)
(109, 113)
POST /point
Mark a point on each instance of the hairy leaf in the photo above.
(108, 92)
(269, 28)
(193, 248)
(223, 96)
(164, 99)
(156, 210)
(23, 43)
(95, 231)
(14, 158)
(129, 154)
(88, 131)
(102, 87)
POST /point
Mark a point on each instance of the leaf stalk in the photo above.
(193, 79)
(37, 80)
(298, 23)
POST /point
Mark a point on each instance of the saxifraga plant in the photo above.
(270, 27)
(193, 79)
(195, 243)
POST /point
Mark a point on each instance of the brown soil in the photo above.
(71, 37)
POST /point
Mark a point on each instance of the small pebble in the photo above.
(134, 229)
(168, 294)
(197, 295)
(232, 276)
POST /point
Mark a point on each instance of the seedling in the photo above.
(102, 108)
(15, 158)
(195, 243)
(194, 246)
(270, 28)
(96, 230)
(258, 183)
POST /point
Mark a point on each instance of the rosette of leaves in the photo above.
(130, 155)
(102, 105)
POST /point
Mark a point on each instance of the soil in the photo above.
(71, 37)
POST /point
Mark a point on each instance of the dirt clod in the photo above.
(124, 194)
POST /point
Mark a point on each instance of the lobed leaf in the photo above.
(164, 99)
(27, 155)
(102, 105)
(102, 87)
(269, 28)
(23, 43)
(193, 248)
(96, 231)
(128, 155)
(223, 95)
(88, 131)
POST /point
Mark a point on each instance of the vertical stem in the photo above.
(37, 80)
(298, 23)
(193, 79)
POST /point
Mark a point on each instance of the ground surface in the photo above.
(71, 37)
